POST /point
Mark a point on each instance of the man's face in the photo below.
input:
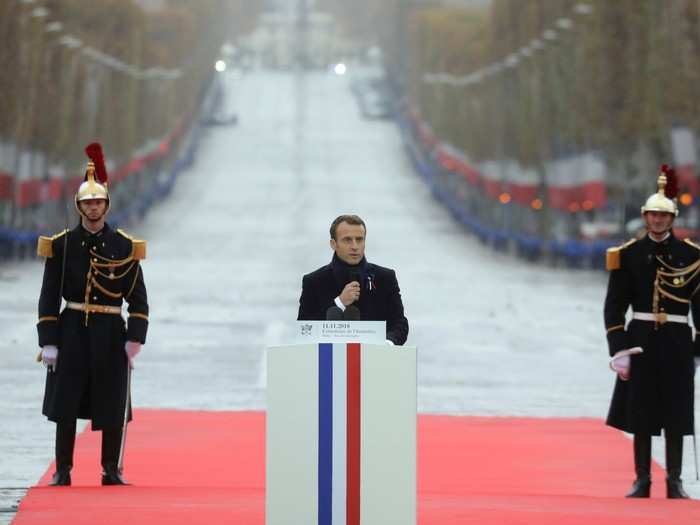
(93, 209)
(658, 222)
(349, 242)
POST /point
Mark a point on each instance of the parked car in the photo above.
(374, 104)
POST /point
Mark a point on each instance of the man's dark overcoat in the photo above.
(91, 376)
(660, 391)
(380, 296)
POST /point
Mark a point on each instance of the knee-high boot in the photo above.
(642, 467)
(65, 444)
(674, 465)
(111, 443)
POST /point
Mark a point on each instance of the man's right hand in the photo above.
(621, 362)
(49, 356)
(350, 293)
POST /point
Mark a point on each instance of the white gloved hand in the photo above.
(389, 342)
(132, 348)
(621, 362)
(49, 357)
(621, 365)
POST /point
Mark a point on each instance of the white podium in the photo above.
(341, 428)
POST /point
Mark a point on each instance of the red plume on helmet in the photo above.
(94, 151)
(671, 190)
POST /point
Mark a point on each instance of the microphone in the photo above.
(356, 275)
(352, 313)
(334, 314)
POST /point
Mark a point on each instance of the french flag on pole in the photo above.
(341, 427)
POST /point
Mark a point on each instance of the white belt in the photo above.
(94, 308)
(661, 317)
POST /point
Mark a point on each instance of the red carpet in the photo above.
(208, 467)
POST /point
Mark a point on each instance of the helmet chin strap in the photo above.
(658, 237)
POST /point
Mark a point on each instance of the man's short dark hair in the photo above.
(350, 219)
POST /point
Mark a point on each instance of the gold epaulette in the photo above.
(612, 255)
(138, 247)
(696, 246)
(44, 245)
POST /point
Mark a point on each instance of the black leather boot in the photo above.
(641, 488)
(60, 479)
(111, 442)
(65, 444)
(112, 476)
(674, 463)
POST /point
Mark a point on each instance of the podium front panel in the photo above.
(388, 435)
(291, 423)
(341, 435)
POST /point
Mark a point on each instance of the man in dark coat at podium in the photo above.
(352, 288)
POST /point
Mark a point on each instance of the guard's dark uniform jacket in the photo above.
(101, 271)
(380, 296)
(661, 279)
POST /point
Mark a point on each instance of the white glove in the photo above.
(389, 342)
(49, 357)
(132, 348)
(621, 365)
(620, 362)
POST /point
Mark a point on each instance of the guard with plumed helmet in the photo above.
(87, 347)
(655, 353)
